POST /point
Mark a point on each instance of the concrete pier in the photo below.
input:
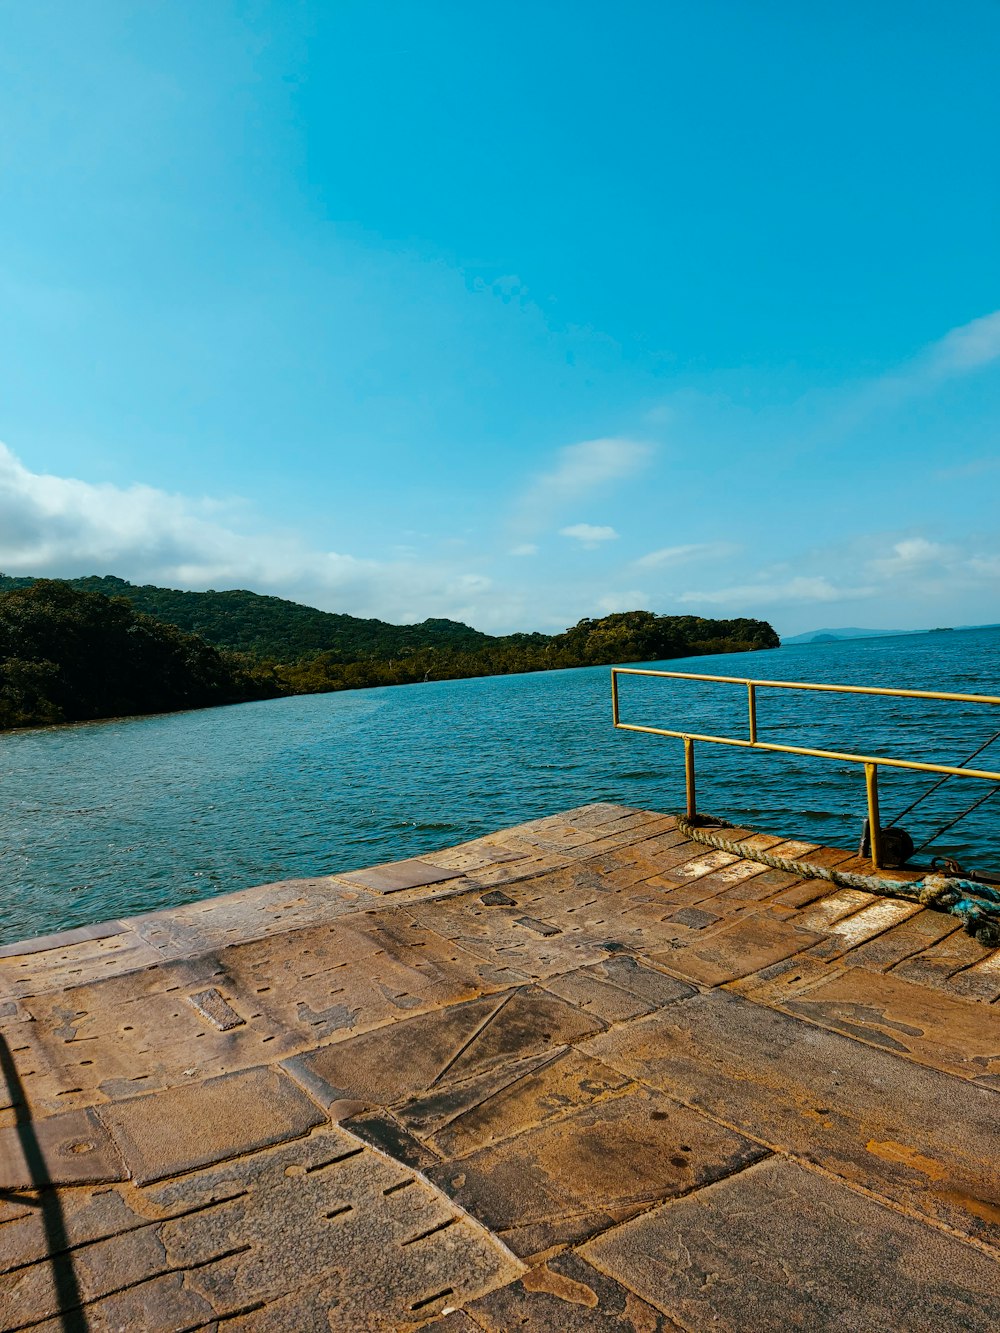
(578, 1074)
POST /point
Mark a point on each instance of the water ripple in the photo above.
(109, 819)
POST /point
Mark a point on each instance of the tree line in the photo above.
(70, 653)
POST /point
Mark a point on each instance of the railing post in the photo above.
(752, 706)
(692, 808)
(614, 697)
(874, 828)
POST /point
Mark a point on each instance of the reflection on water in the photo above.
(107, 819)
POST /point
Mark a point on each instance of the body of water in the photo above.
(101, 820)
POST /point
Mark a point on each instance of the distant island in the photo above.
(97, 647)
(853, 632)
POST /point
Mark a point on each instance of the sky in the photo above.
(513, 313)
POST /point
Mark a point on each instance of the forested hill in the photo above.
(68, 655)
(272, 628)
(68, 651)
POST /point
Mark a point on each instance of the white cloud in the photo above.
(915, 579)
(801, 589)
(61, 526)
(681, 555)
(962, 351)
(632, 600)
(911, 555)
(588, 534)
(580, 470)
(525, 548)
(966, 348)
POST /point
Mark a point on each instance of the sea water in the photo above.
(101, 820)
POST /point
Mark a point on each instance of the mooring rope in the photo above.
(977, 905)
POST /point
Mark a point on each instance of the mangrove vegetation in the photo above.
(77, 649)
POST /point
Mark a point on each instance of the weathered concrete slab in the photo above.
(66, 1149)
(736, 950)
(563, 1296)
(399, 875)
(540, 1034)
(782, 1247)
(955, 1035)
(880, 1121)
(397, 1062)
(505, 1102)
(556, 1184)
(618, 988)
(61, 938)
(178, 1130)
(318, 1233)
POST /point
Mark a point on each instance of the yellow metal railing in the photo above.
(872, 763)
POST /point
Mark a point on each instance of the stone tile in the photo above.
(780, 1247)
(802, 892)
(328, 1227)
(137, 1033)
(876, 1119)
(870, 922)
(563, 1296)
(955, 1035)
(357, 974)
(399, 875)
(599, 814)
(935, 966)
(68, 1149)
(89, 1273)
(72, 965)
(736, 950)
(85, 1215)
(503, 1104)
(781, 981)
(912, 936)
(823, 913)
(395, 1063)
(492, 935)
(558, 1183)
(979, 982)
(706, 863)
(249, 914)
(61, 938)
(767, 884)
(184, 1128)
(617, 989)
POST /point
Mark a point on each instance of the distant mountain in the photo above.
(846, 632)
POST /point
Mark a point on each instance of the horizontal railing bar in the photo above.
(816, 754)
(806, 685)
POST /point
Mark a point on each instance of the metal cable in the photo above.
(940, 781)
(974, 806)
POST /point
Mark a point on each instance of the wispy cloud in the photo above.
(524, 548)
(965, 348)
(588, 534)
(913, 571)
(911, 555)
(962, 351)
(802, 589)
(61, 526)
(682, 555)
(579, 471)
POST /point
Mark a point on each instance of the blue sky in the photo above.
(513, 313)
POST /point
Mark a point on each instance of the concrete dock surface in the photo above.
(579, 1074)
